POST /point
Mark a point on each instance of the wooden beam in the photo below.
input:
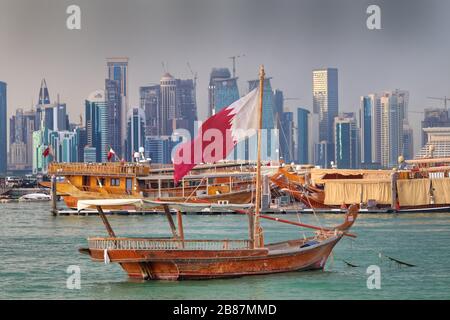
(171, 223)
(180, 227)
(106, 222)
(54, 195)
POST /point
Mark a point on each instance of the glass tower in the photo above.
(97, 129)
(302, 136)
(222, 91)
(3, 132)
(325, 103)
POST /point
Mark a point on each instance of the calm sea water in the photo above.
(36, 250)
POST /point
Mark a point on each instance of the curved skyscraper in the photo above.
(222, 90)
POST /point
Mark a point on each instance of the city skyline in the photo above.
(307, 35)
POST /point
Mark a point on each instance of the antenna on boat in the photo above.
(258, 239)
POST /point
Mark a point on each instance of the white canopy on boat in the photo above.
(84, 204)
(197, 207)
(182, 206)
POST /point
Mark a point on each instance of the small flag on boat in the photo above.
(111, 153)
(47, 151)
(218, 135)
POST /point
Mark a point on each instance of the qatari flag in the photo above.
(218, 135)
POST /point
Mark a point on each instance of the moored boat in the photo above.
(178, 258)
(35, 197)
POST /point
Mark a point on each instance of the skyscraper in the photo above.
(365, 114)
(408, 141)
(40, 143)
(222, 90)
(135, 131)
(326, 104)
(150, 103)
(64, 145)
(44, 97)
(186, 105)
(97, 129)
(21, 128)
(278, 101)
(3, 131)
(434, 117)
(346, 142)
(287, 144)
(303, 147)
(370, 126)
(60, 117)
(168, 87)
(168, 106)
(114, 101)
(268, 122)
(392, 104)
(325, 100)
(118, 71)
(159, 149)
(44, 109)
(82, 142)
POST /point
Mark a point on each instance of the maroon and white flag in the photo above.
(111, 153)
(47, 152)
(218, 135)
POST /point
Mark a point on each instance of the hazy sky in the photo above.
(290, 37)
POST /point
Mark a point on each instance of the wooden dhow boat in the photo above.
(216, 184)
(178, 258)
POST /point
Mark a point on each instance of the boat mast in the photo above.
(258, 232)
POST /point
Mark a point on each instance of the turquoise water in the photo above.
(36, 250)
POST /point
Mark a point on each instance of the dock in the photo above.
(269, 211)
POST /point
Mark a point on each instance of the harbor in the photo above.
(224, 156)
(419, 186)
(44, 266)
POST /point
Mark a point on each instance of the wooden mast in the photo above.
(257, 230)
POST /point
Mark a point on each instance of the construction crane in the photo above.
(194, 74)
(234, 63)
(445, 99)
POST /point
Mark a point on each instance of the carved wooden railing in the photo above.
(127, 169)
(166, 244)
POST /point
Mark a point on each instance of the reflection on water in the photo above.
(36, 249)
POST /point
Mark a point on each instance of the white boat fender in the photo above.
(106, 256)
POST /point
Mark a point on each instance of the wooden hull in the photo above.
(238, 197)
(210, 264)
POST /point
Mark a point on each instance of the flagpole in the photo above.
(258, 236)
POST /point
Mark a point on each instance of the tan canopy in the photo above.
(351, 191)
(319, 176)
(441, 190)
(413, 192)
